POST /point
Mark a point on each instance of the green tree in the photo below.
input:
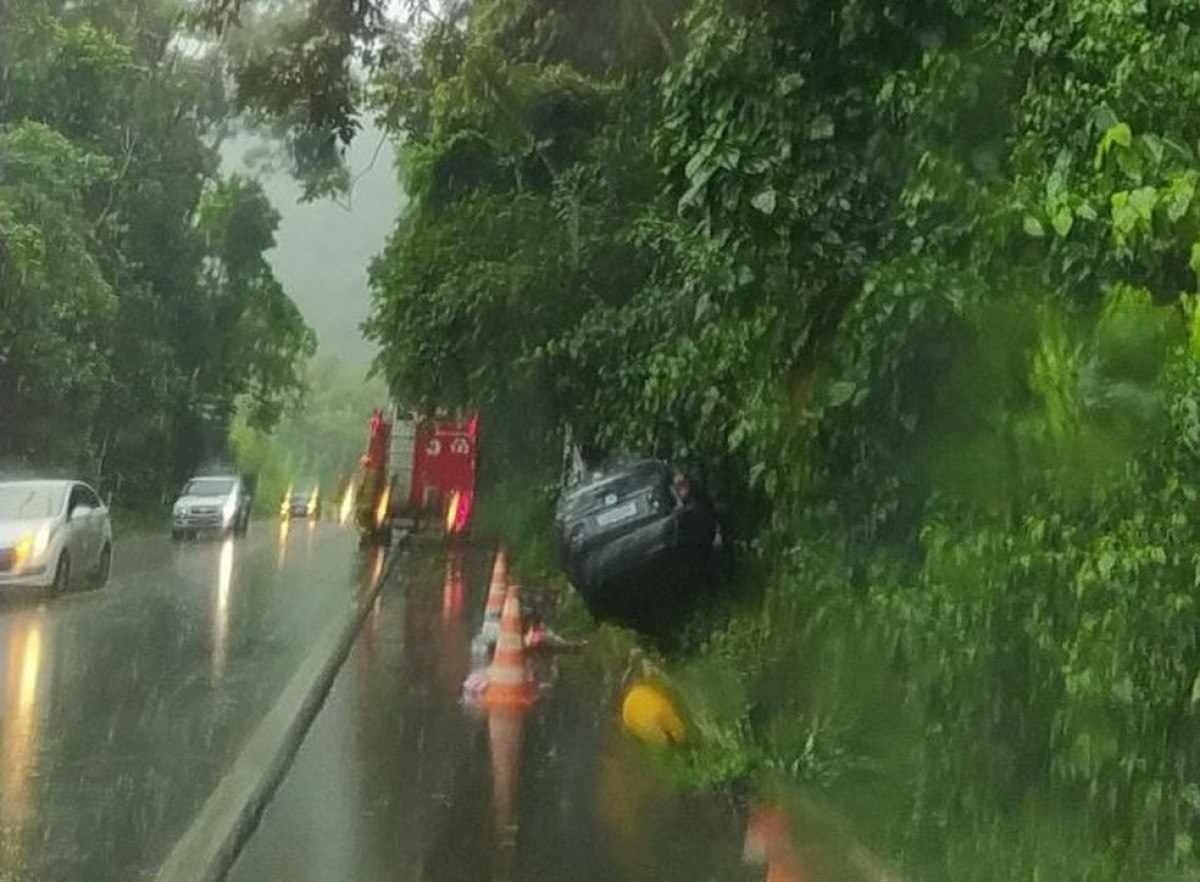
(110, 122)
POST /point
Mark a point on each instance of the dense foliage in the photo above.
(320, 439)
(136, 307)
(915, 284)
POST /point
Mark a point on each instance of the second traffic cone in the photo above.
(508, 677)
(490, 631)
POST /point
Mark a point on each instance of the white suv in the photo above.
(211, 503)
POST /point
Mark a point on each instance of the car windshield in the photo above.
(209, 487)
(23, 502)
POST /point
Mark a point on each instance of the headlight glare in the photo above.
(23, 552)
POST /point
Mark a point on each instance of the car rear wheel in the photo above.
(62, 574)
(104, 568)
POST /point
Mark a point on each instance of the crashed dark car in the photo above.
(635, 538)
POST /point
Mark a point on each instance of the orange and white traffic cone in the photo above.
(769, 841)
(490, 632)
(509, 684)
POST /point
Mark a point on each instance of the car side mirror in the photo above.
(79, 511)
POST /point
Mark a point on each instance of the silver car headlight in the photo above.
(32, 546)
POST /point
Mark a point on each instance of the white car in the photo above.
(53, 534)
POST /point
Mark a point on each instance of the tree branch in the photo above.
(131, 142)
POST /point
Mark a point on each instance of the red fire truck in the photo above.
(416, 469)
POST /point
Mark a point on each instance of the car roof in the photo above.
(46, 482)
(53, 484)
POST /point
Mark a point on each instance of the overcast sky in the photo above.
(324, 250)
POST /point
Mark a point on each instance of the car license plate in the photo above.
(616, 515)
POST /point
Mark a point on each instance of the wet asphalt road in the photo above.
(399, 781)
(119, 709)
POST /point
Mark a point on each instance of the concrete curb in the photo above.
(210, 845)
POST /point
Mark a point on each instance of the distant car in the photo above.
(304, 502)
(212, 503)
(53, 534)
(634, 536)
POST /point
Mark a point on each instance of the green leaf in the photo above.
(693, 193)
(790, 83)
(756, 471)
(1153, 146)
(1063, 221)
(1184, 845)
(840, 392)
(1143, 201)
(699, 158)
(1120, 134)
(1123, 690)
(1124, 215)
(765, 201)
(1194, 263)
(1180, 196)
(821, 128)
(1033, 227)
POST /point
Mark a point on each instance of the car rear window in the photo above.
(619, 482)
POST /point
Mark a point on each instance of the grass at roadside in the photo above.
(831, 689)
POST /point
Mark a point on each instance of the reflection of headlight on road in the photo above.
(230, 509)
(224, 574)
